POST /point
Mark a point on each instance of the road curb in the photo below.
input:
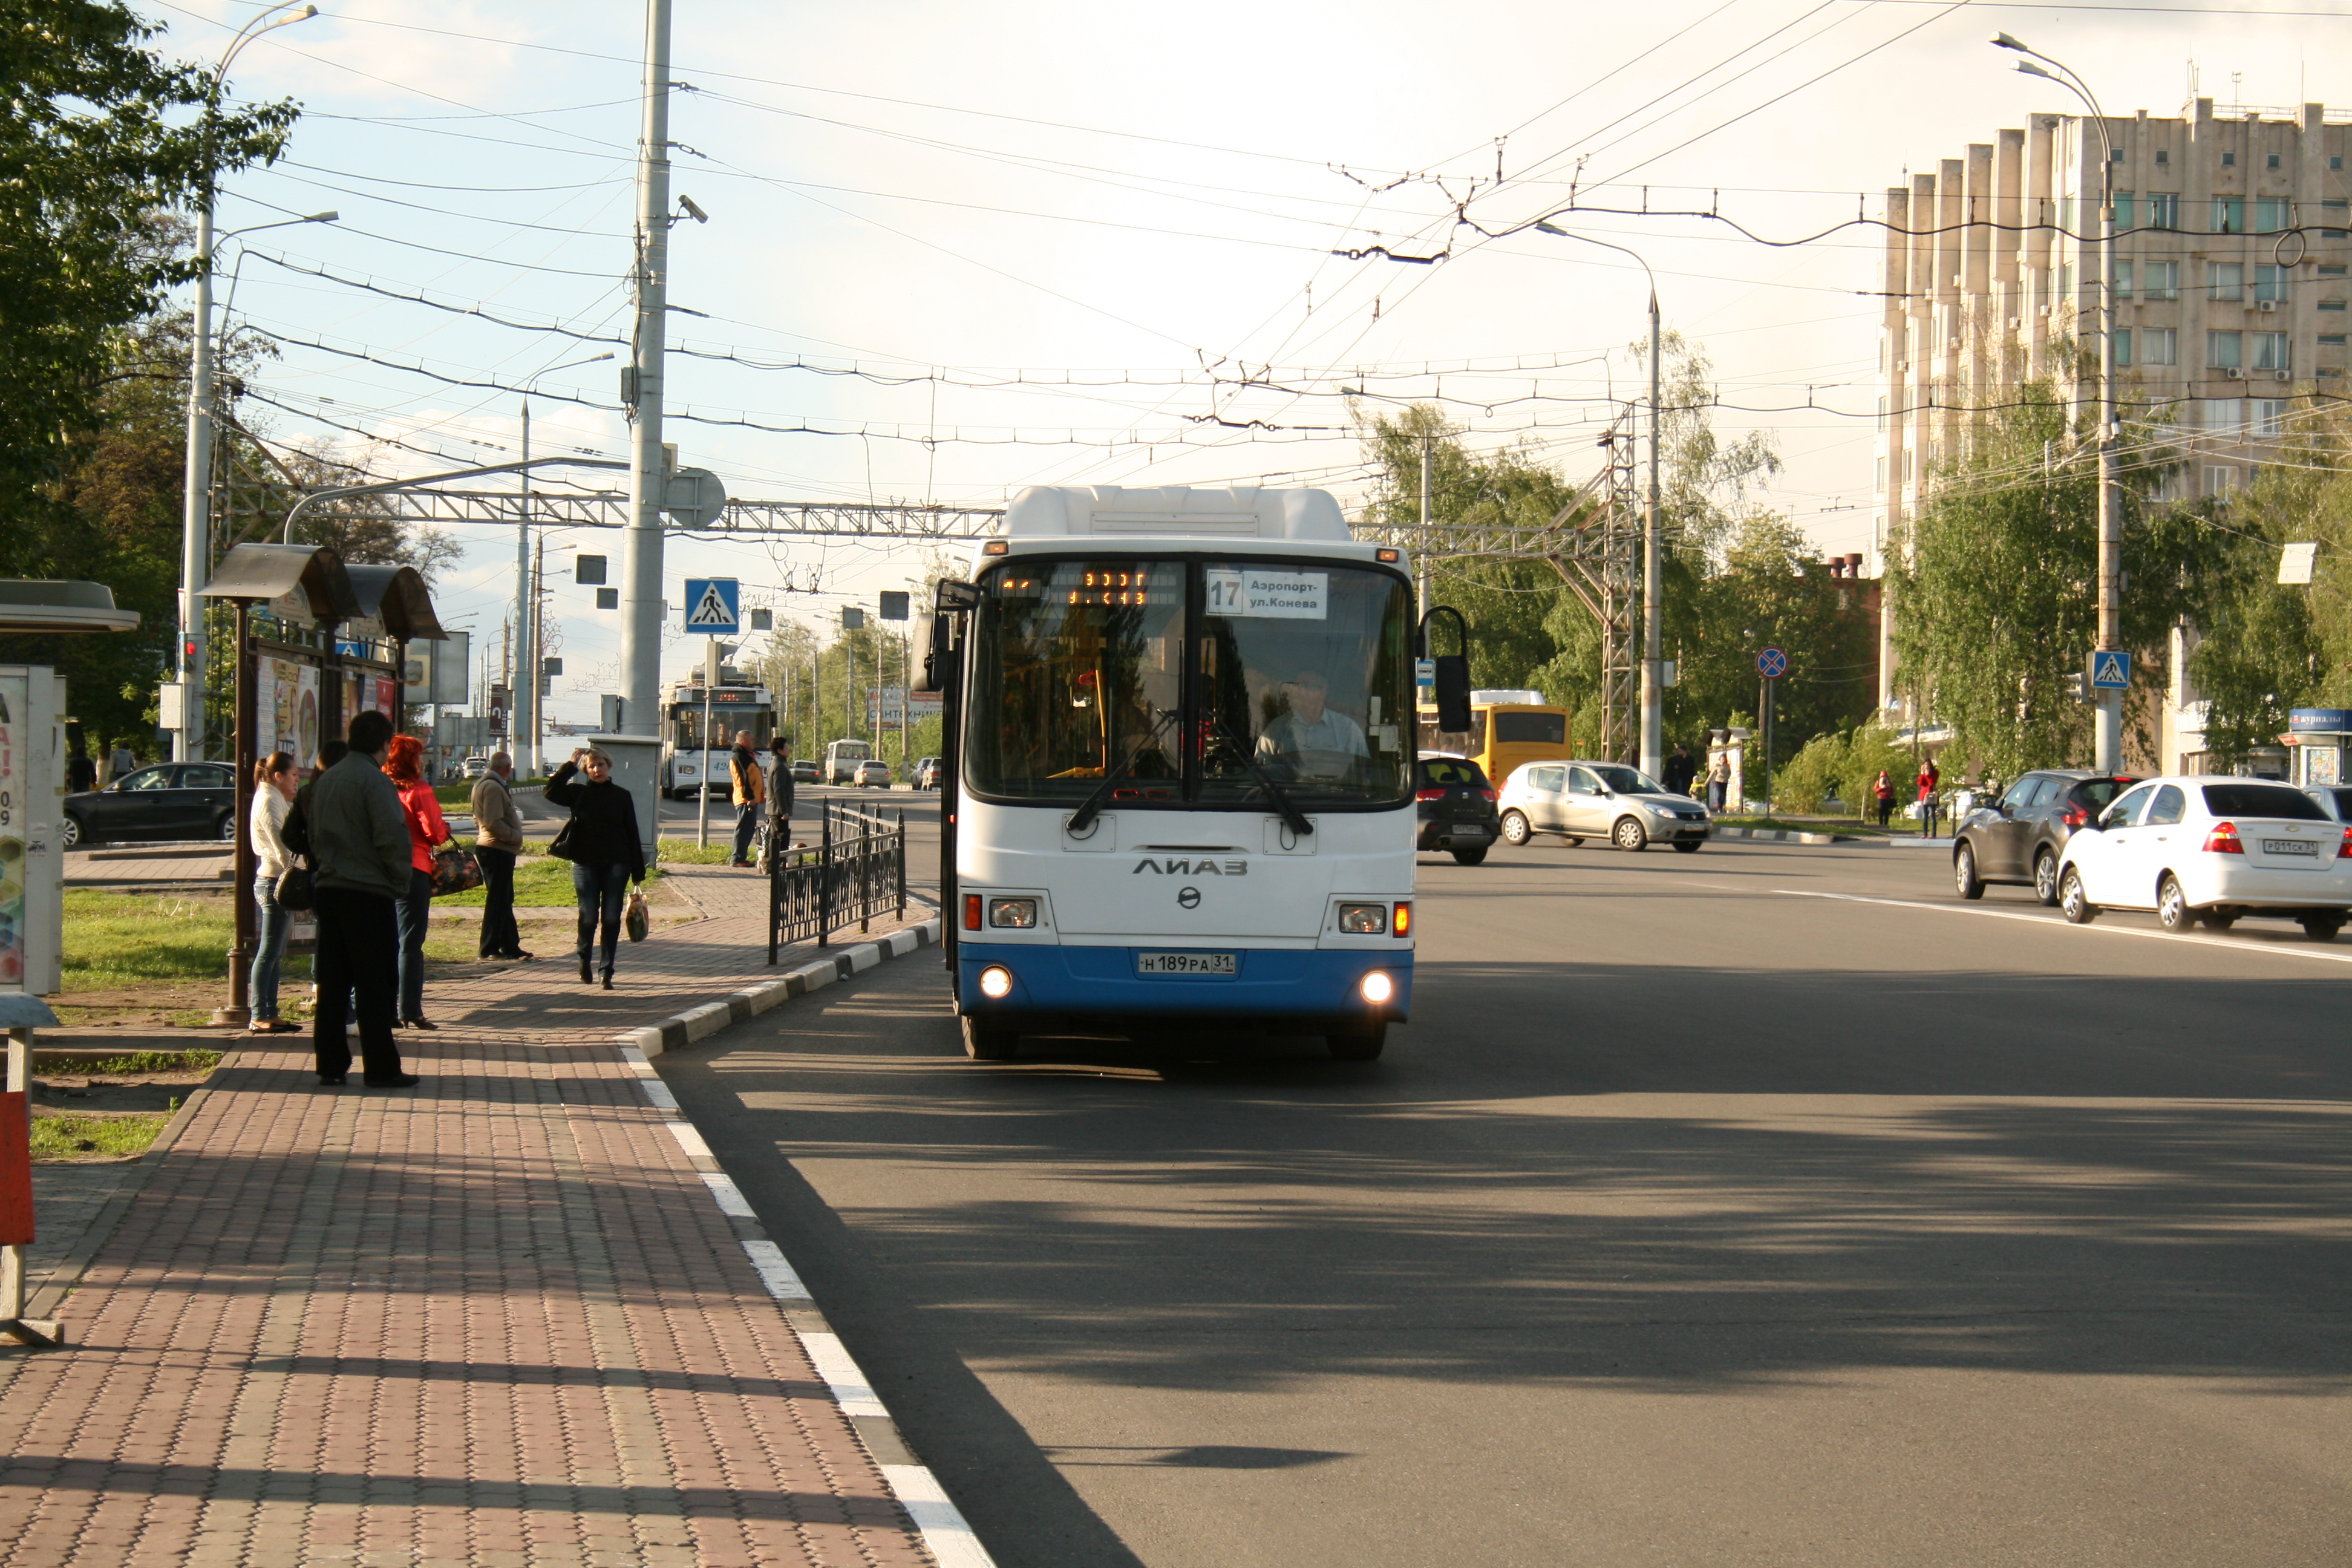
(949, 1537)
(1775, 836)
(682, 1029)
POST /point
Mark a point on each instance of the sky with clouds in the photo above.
(957, 249)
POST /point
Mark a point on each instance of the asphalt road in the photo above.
(1759, 1207)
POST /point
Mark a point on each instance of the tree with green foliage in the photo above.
(2265, 646)
(93, 368)
(1996, 585)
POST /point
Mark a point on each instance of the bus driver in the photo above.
(1316, 740)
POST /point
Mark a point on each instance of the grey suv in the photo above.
(2022, 839)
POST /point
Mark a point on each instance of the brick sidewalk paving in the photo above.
(496, 1319)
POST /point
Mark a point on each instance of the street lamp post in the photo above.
(2109, 729)
(524, 695)
(196, 514)
(1654, 712)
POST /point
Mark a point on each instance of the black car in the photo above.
(170, 799)
(1455, 806)
(2023, 838)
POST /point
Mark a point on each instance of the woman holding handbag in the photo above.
(273, 797)
(600, 841)
(404, 764)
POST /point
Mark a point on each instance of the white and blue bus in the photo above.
(1181, 736)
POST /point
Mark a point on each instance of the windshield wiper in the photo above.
(1292, 816)
(1091, 808)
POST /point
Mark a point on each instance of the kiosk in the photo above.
(2321, 737)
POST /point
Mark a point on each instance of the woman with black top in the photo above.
(600, 841)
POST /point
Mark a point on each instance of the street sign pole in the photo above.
(713, 609)
(1771, 664)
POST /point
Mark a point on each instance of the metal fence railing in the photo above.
(856, 870)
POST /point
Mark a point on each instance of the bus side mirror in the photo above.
(1451, 672)
(934, 639)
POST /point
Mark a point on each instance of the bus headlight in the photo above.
(1019, 914)
(996, 982)
(1364, 919)
(1377, 987)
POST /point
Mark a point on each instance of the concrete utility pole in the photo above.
(2108, 731)
(641, 573)
(1423, 552)
(1654, 710)
(526, 701)
(196, 514)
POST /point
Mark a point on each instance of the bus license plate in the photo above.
(2290, 847)
(1187, 963)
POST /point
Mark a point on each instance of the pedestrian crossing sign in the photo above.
(711, 605)
(2110, 670)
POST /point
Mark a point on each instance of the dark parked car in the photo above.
(2022, 839)
(1455, 806)
(170, 799)
(927, 772)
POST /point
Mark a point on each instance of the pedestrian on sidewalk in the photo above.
(1719, 780)
(428, 831)
(121, 761)
(748, 789)
(357, 837)
(274, 782)
(1680, 771)
(1884, 792)
(780, 791)
(497, 839)
(1930, 777)
(602, 843)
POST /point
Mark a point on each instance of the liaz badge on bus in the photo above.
(1186, 964)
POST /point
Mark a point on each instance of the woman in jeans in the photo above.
(602, 843)
(404, 764)
(273, 795)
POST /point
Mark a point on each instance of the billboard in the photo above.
(886, 705)
(286, 712)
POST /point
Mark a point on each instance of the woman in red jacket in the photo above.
(428, 830)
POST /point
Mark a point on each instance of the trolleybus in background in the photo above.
(1180, 745)
(841, 759)
(734, 705)
(1507, 729)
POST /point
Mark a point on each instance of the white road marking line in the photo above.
(731, 1197)
(834, 1364)
(775, 1272)
(951, 1541)
(2180, 938)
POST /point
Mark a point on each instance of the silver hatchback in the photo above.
(1581, 800)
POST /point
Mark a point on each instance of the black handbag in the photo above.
(561, 844)
(295, 890)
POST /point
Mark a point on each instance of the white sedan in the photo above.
(2211, 848)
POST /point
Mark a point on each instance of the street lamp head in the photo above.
(2004, 41)
(1544, 225)
(330, 215)
(2030, 69)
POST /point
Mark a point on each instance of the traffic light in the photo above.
(192, 651)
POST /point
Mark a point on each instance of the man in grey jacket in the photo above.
(497, 839)
(359, 861)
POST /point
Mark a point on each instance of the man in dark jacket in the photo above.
(779, 791)
(1680, 771)
(498, 830)
(357, 839)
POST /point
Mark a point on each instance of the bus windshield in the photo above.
(1300, 679)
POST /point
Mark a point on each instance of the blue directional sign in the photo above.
(2111, 670)
(1771, 663)
(713, 606)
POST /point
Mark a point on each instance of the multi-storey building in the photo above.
(2230, 294)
